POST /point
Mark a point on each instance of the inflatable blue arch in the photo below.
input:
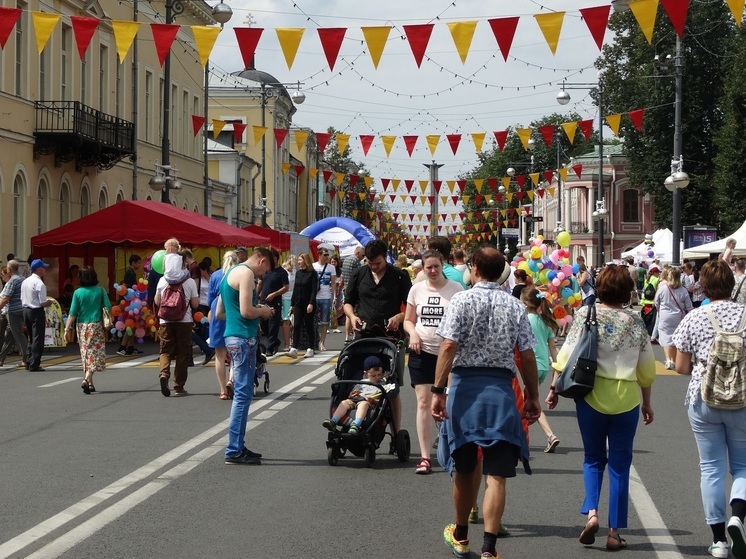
(341, 231)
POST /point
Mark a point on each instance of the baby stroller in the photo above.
(349, 371)
(261, 373)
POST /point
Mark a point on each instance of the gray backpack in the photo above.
(724, 380)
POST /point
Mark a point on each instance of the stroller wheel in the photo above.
(332, 455)
(266, 383)
(403, 445)
(369, 457)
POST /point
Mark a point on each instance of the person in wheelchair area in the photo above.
(363, 398)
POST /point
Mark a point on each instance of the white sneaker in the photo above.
(322, 347)
(292, 352)
(720, 550)
(670, 365)
(737, 537)
(309, 352)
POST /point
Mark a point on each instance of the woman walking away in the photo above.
(672, 303)
(720, 433)
(426, 305)
(303, 304)
(217, 327)
(544, 327)
(86, 309)
(608, 416)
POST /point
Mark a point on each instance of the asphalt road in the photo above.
(127, 473)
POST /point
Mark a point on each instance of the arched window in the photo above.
(85, 202)
(64, 203)
(102, 199)
(120, 197)
(19, 210)
(42, 213)
(631, 206)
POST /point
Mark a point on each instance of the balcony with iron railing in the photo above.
(75, 132)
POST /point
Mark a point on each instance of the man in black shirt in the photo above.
(376, 293)
(274, 284)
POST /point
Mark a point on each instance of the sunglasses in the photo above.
(323, 254)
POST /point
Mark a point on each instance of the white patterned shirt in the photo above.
(487, 324)
(695, 335)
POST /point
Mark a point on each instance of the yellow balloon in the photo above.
(524, 266)
(563, 239)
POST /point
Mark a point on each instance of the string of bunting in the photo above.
(331, 39)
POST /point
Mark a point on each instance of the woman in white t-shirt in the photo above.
(426, 305)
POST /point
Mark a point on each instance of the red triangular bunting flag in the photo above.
(84, 28)
(437, 185)
(410, 141)
(299, 170)
(578, 170)
(541, 192)
(676, 10)
(454, 199)
(322, 138)
(519, 195)
(586, 127)
(353, 180)
(248, 39)
(327, 175)
(385, 183)
(478, 199)
(418, 37)
(366, 140)
(414, 199)
(163, 37)
(461, 185)
(504, 31)
(409, 183)
(392, 197)
(331, 41)
(596, 18)
(238, 128)
(332, 193)
(454, 140)
(280, 135)
(501, 136)
(548, 133)
(197, 123)
(636, 117)
(492, 182)
(521, 180)
(8, 19)
(548, 176)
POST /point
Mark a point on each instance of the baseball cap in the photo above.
(38, 264)
(654, 268)
(242, 249)
(371, 362)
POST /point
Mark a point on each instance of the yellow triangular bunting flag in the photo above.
(204, 38)
(551, 26)
(375, 38)
(570, 128)
(217, 127)
(451, 185)
(342, 141)
(736, 8)
(563, 173)
(44, 24)
(289, 38)
(368, 182)
(340, 178)
(530, 195)
(124, 34)
(423, 186)
(300, 138)
(462, 33)
(395, 183)
(432, 142)
(478, 139)
(285, 167)
(551, 191)
(478, 183)
(388, 143)
(613, 122)
(466, 198)
(645, 12)
(259, 132)
(312, 172)
(506, 182)
(524, 134)
(534, 178)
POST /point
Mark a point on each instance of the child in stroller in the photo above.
(363, 435)
(363, 397)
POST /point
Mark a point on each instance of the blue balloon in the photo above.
(575, 268)
(551, 274)
(532, 266)
(566, 292)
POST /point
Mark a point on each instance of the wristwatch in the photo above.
(437, 389)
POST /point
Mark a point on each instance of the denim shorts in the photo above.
(286, 309)
(325, 309)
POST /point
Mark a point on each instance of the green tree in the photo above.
(632, 81)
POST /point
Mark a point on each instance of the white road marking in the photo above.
(652, 522)
(73, 536)
(65, 381)
(322, 379)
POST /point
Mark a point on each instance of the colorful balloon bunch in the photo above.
(553, 274)
(132, 315)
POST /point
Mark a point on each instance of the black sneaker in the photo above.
(122, 351)
(250, 453)
(164, 387)
(244, 458)
(136, 351)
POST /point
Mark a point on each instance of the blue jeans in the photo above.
(721, 441)
(595, 429)
(324, 307)
(243, 359)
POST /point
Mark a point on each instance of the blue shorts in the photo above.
(325, 310)
(286, 309)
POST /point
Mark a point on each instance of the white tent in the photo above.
(662, 248)
(716, 247)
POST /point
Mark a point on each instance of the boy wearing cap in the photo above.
(362, 397)
(34, 301)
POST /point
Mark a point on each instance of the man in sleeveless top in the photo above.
(237, 304)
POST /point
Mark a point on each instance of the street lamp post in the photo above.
(679, 178)
(172, 7)
(563, 98)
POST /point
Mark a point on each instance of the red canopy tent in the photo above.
(132, 225)
(279, 240)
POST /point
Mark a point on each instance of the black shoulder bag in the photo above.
(577, 378)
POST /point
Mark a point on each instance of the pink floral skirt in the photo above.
(92, 347)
